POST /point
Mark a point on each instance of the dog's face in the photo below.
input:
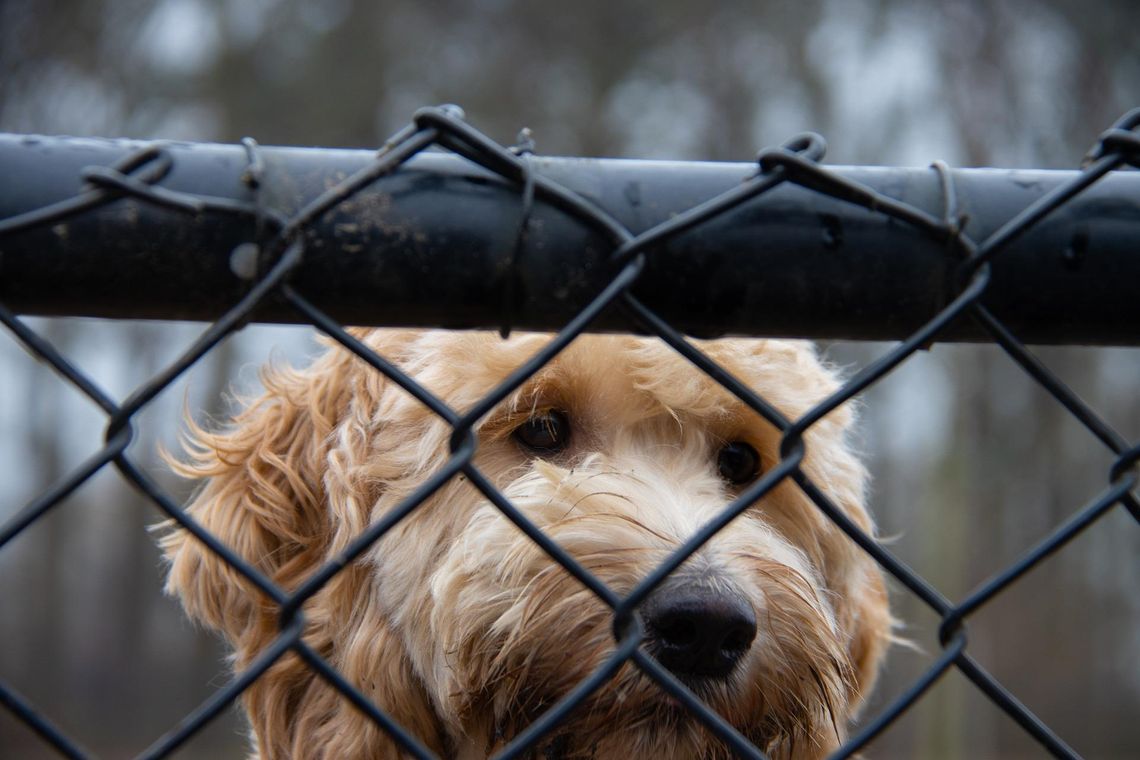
(463, 628)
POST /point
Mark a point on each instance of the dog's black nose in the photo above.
(698, 632)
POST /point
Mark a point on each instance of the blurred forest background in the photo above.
(972, 461)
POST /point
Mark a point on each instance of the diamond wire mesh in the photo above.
(283, 242)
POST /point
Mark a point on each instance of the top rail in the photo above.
(434, 244)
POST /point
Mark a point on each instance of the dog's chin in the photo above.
(662, 730)
(632, 717)
(671, 735)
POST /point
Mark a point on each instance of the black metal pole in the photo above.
(433, 245)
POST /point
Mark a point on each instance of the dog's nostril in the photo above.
(698, 633)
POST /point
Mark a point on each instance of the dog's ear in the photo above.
(280, 491)
(263, 496)
(859, 591)
(860, 594)
(869, 624)
(833, 465)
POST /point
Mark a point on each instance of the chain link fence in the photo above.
(265, 275)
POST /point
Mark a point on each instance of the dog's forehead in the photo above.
(642, 375)
(643, 361)
(637, 374)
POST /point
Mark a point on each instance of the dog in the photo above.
(463, 629)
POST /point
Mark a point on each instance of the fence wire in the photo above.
(282, 246)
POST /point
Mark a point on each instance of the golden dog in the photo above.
(463, 629)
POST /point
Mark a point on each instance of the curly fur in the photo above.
(460, 627)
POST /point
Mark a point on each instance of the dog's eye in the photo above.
(546, 433)
(738, 463)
